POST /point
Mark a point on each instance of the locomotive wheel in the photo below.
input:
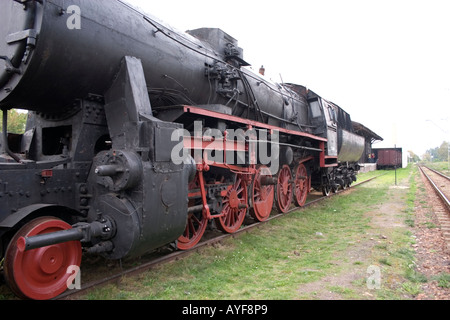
(284, 189)
(335, 189)
(262, 196)
(196, 224)
(326, 190)
(195, 228)
(301, 185)
(41, 274)
(234, 207)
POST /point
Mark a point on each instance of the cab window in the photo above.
(332, 114)
(315, 109)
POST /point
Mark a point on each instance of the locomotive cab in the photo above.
(323, 117)
(343, 149)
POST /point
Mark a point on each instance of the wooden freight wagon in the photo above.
(388, 158)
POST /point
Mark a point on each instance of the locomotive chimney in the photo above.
(262, 71)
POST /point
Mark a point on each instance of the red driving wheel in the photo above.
(42, 273)
(301, 185)
(234, 207)
(195, 228)
(262, 195)
(284, 189)
(196, 223)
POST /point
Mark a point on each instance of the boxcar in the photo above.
(388, 158)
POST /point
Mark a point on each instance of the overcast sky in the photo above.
(386, 62)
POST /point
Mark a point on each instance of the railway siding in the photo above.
(432, 246)
(441, 186)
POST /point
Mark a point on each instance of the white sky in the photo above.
(386, 62)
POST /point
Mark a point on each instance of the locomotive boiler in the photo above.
(114, 96)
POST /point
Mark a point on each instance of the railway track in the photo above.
(440, 184)
(176, 255)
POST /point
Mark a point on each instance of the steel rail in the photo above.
(435, 187)
(438, 172)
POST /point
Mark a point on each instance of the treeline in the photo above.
(16, 121)
(437, 154)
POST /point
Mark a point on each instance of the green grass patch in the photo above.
(443, 280)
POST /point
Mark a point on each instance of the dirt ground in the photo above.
(432, 254)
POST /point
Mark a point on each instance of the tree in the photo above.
(16, 121)
(427, 156)
(442, 152)
(438, 154)
(413, 157)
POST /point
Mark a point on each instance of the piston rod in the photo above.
(83, 232)
(44, 240)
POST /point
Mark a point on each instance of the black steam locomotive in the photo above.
(140, 136)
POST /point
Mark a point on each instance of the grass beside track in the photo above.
(439, 166)
(282, 258)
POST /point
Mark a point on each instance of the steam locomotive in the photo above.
(139, 136)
